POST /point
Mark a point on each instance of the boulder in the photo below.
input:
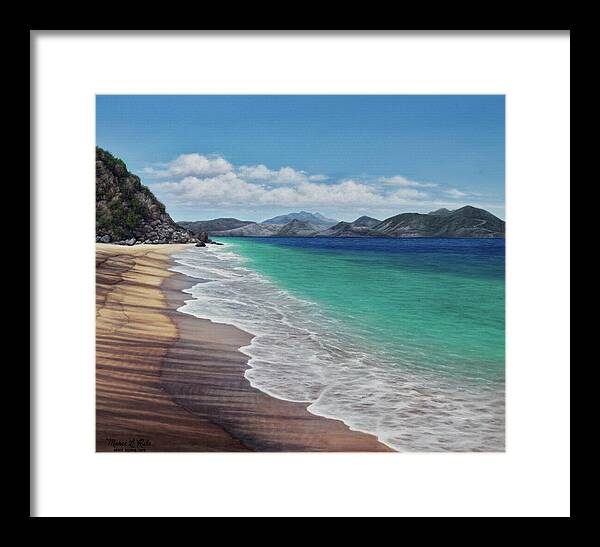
(200, 244)
(130, 241)
(105, 239)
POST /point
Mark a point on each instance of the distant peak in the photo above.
(317, 218)
(439, 212)
(365, 221)
(365, 217)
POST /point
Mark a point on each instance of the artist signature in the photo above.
(129, 445)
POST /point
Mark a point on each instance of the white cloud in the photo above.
(455, 193)
(399, 180)
(231, 190)
(192, 165)
(204, 181)
(285, 175)
(408, 194)
(225, 189)
(256, 172)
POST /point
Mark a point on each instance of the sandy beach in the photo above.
(170, 382)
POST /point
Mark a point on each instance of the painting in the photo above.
(300, 273)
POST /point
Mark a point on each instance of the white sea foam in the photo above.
(299, 354)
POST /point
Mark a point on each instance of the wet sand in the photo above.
(170, 382)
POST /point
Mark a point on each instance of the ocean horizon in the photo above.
(402, 338)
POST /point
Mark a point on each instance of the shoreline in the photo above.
(182, 384)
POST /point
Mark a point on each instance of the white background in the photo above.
(531, 478)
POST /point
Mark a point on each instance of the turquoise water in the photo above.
(401, 338)
(437, 302)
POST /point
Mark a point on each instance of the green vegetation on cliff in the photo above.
(126, 210)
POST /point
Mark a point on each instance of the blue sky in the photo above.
(253, 156)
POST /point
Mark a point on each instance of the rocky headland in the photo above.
(127, 212)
